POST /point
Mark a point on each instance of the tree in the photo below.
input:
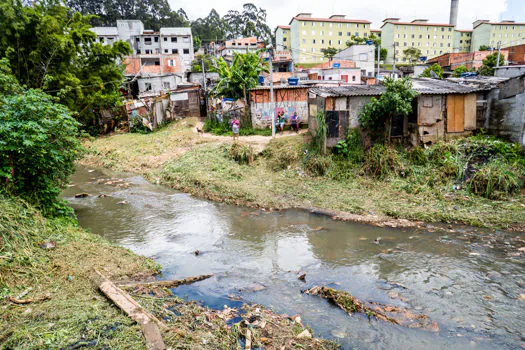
(460, 70)
(484, 48)
(211, 28)
(196, 43)
(209, 63)
(489, 63)
(330, 52)
(243, 74)
(412, 54)
(250, 22)
(434, 71)
(396, 101)
(38, 145)
(49, 49)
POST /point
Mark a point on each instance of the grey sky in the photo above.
(281, 11)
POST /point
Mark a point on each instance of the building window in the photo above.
(313, 49)
(165, 50)
(138, 52)
(413, 36)
(304, 41)
(322, 32)
(172, 63)
(284, 39)
(363, 57)
(175, 51)
(101, 40)
(166, 85)
(348, 34)
(412, 43)
(329, 33)
(147, 41)
(137, 40)
(398, 35)
(313, 24)
(329, 42)
(353, 77)
(313, 32)
(147, 86)
(442, 29)
(165, 39)
(148, 52)
(322, 41)
(330, 25)
(157, 63)
(303, 23)
(186, 39)
(365, 35)
(405, 44)
(156, 39)
(313, 41)
(303, 32)
(357, 34)
(340, 33)
(173, 39)
(339, 42)
(420, 36)
(186, 51)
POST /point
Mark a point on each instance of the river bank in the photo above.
(199, 165)
(49, 298)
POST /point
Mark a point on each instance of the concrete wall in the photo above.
(506, 110)
(287, 100)
(509, 71)
(156, 85)
(362, 55)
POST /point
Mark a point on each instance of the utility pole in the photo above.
(205, 89)
(499, 53)
(272, 107)
(378, 66)
(394, 64)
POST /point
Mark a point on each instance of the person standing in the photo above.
(236, 125)
(294, 121)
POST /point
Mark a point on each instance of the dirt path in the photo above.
(258, 142)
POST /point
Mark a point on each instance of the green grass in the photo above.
(417, 185)
(76, 311)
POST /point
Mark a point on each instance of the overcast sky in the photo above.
(281, 11)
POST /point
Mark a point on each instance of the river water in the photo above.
(468, 283)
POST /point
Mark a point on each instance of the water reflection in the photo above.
(472, 297)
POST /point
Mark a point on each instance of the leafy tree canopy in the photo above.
(460, 70)
(153, 13)
(236, 79)
(209, 63)
(49, 49)
(483, 48)
(436, 69)
(251, 21)
(412, 54)
(38, 145)
(489, 63)
(396, 101)
(330, 52)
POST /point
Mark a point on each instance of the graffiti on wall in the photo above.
(262, 113)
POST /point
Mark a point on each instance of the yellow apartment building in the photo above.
(282, 38)
(309, 35)
(433, 39)
(462, 40)
(508, 33)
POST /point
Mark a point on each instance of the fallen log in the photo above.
(149, 323)
(166, 284)
(393, 314)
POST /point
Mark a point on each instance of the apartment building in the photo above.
(241, 45)
(148, 44)
(433, 39)
(282, 38)
(309, 35)
(508, 33)
(462, 40)
(376, 32)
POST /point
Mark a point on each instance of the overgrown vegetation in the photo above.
(376, 115)
(38, 145)
(434, 71)
(489, 63)
(240, 153)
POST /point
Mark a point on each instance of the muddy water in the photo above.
(469, 284)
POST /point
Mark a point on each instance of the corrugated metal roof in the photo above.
(428, 86)
(356, 90)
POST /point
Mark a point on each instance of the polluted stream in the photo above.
(471, 284)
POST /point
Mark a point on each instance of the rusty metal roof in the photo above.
(354, 90)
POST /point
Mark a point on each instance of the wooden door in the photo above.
(455, 113)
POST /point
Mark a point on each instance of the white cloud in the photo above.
(281, 12)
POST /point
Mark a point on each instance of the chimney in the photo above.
(454, 12)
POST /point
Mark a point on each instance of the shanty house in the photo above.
(442, 110)
(288, 99)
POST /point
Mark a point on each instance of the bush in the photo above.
(417, 156)
(281, 155)
(382, 161)
(38, 149)
(351, 148)
(495, 180)
(317, 165)
(242, 154)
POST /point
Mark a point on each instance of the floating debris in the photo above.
(81, 195)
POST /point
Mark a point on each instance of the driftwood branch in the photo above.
(29, 301)
(167, 284)
(351, 304)
(149, 323)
